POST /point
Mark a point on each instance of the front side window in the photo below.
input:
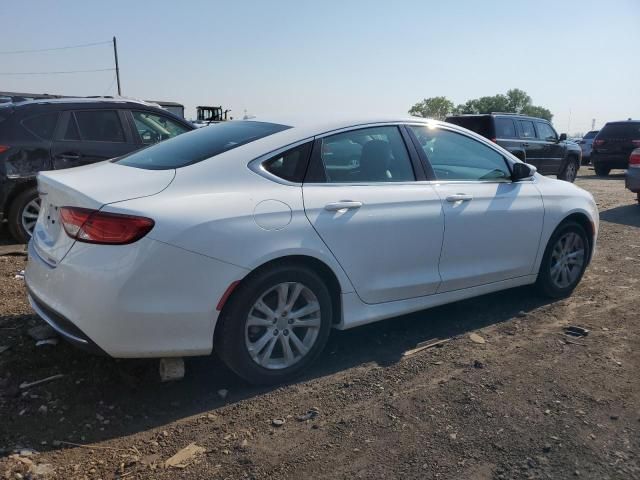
(154, 128)
(42, 125)
(198, 145)
(545, 132)
(457, 157)
(100, 126)
(290, 165)
(527, 129)
(367, 155)
(505, 128)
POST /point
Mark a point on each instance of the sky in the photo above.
(579, 58)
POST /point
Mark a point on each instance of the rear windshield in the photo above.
(481, 125)
(590, 134)
(198, 145)
(622, 130)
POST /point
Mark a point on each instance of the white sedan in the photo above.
(257, 238)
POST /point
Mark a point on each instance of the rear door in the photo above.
(367, 198)
(507, 136)
(90, 136)
(533, 148)
(553, 150)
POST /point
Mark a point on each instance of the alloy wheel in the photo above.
(283, 325)
(29, 215)
(567, 260)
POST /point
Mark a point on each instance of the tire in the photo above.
(601, 171)
(547, 282)
(570, 171)
(233, 335)
(17, 209)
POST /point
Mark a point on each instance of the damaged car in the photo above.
(54, 134)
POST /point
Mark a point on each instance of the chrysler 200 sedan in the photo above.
(257, 238)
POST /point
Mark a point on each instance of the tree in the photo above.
(514, 101)
(435, 107)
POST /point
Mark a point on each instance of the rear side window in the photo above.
(622, 130)
(100, 126)
(42, 125)
(290, 165)
(154, 128)
(505, 128)
(479, 124)
(590, 134)
(195, 146)
(366, 155)
(527, 129)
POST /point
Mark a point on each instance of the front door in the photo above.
(90, 136)
(492, 225)
(384, 227)
(553, 149)
(533, 148)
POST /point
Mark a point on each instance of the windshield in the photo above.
(198, 145)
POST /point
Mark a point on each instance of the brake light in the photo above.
(636, 143)
(634, 159)
(93, 226)
(4, 148)
(598, 142)
(494, 140)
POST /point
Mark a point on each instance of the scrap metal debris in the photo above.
(424, 346)
(20, 275)
(25, 385)
(180, 459)
(576, 331)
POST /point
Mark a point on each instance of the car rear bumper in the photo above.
(612, 160)
(146, 299)
(632, 180)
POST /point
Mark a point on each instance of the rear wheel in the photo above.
(570, 171)
(23, 214)
(601, 171)
(275, 325)
(565, 260)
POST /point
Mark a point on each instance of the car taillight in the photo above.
(634, 159)
(93, 226)
(4, 148)
(636, 143)
(494, 140)
(598, 142)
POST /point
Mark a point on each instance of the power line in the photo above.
(82, 45)
(58, 73)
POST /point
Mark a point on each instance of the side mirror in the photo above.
(522, 171)
(563, 137)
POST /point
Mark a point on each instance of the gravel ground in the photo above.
(527, 403)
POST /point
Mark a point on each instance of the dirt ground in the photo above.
(527, 403)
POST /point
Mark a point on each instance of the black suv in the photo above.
(532, 140)
(52, 134)
(613, 145)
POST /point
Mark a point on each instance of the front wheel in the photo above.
(23, 214)
(275, 325)
(570, 171)
(564, 261)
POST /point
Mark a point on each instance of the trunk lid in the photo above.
(91, 186)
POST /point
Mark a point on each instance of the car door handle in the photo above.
(342, 205)
(69, 156)
(525, 144)
(459, 197)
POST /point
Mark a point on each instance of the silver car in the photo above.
(586, 144)
(632, 179)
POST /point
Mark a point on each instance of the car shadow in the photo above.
(129, 394)
(623, 215)
(611, 176)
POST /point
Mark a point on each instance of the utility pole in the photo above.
(593, 124)
(115, 54)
